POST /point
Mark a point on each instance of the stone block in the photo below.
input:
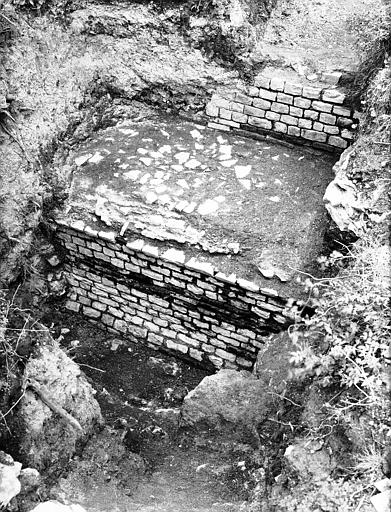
(313, 136)
(332, 130)
(239, 118)
(293, 121)
(277, 84)
(311, 114)
(294, 131)
(262, 81)
(99, 306)
(253, 91)
(248, 285)
(201, 266)
(305, 123)
(176, 346)
(107, 320)
(90, 312)
(318, 126)
(174, 256)
(109, 236)
(245, 363)
(280, 127)
(236, 107)
(327, 119)
(225, 113)
(243, 98)
(117, 262)
(331, 77)
(219, 102)
(151, 326)
(135, 245)
(86, 252)
(218, 126)
(225, 355)
(280, 108)
(344, 122)
(231, 279)
(321, 106)
(212, 109)
(284, 98)
(302, 102)
(313, 93)
(342, 111)
(71, 305)
(196, 354)
(120, 325)
(189, 341)
(346, 134)
(294, 89)
(260, 123)
(296, 111)
(227, 122)
(253, 111)
(273, 116)
(333, 96)
(261, 103)
(267, 95)
(137, 332)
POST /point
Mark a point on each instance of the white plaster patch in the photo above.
(221, 140)
(274, 199)
(165, 149)
(181, 205)
(81, 160)
(96, 158)
(146, 161)
(190, 207)
(163, 132)
(183, 183)
(159, 175)
(178, 168)
(241, 171)
(131, 175)
(182, 157)
(192, 164)
(245, 184)
(144, 179)
(277, 182)
(207, 207)
(123, 166)
(155, 154)
(228, 163)
(142, 151)
(277, 157)
(226, 149)
(196, 134)
(151, 197)
(219, 199)
(198, 146)
(128, 131)
(161, 189)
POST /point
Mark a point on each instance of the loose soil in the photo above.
(163, 468)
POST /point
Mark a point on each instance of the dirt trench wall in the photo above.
(166, 300)
(308, 115)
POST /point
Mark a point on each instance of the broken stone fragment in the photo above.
(310, 459)
(9, 483)
(382, 501)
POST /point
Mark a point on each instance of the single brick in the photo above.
(346, 134)
(318, 126)
(153, 275)
(90, 312)
(189, 341)
(327, 119)
(253, 111)
(260, 123)
(72, 306)
(294, 89)
(262, 81)
(150, 250)
(333, 96)
(313, 93)
(344, 122)
(218, 126)
(295, 111)
(302, 102)
(284, 98)
(242, 98)
(267, 95)
(212, 109)
(273, 116)
(219, 102)
(245, 363)
(342, 111)
(230, 123)
(321, 106)
(311, 114)
(305, 123)
(236, 107)
(261, 103)
(87, 252)
(225, 355)
(117, 262)
(99, 306)
(294, 131)
(252, 91)
(107, 320)
(280, 127)
(196, 354)
(277, 84)
(225, 113)
(239, 118)
(174, 256)
(332, 130)
(293, 121)
(313, 136)
(201, 266)
(120, 325)
(278, 107)
(176, 346)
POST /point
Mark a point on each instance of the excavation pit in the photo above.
(191, 239)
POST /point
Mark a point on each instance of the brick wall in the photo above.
(165, 299)
(303, 114)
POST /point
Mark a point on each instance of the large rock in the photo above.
(310, 459)
(229, 401)
(9, 483)
(56, 506)
(58, 411)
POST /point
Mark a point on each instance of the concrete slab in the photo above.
(248, 207)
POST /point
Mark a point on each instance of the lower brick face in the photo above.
(166, 305)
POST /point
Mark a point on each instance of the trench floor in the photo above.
(160, 467)
(249, 207)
